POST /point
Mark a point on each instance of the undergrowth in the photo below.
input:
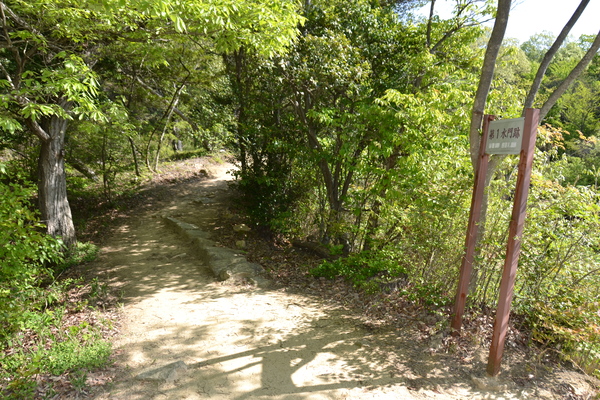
(38, 335)
(51, 337)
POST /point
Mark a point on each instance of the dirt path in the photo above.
(222, 341)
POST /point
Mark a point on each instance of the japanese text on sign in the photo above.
(505, 136)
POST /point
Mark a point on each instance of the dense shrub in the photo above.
(25, 255)
(558, 277)
(33, 337)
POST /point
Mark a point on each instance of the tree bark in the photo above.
(487, 74)
(80, 166)
(135, 159)
(574, 74)
(164, 131)
(52, 182)
(429, 22)
(535, 86)
(485, 82)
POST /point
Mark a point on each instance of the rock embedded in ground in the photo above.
(241, 228)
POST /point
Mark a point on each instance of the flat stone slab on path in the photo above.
(225, 263)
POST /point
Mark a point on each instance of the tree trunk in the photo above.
(487, 74)
(105, 169)
(172, 106)
(166, 115)
(80, 166)
(535, 86)
(574, 74)
(52, 183)
(135, 159)
(239, 57)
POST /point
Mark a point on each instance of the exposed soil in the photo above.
(302, 338)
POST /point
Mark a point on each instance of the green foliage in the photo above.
(370, 114)
(559, 267)
(366, 270)
(30, 298)
(580, 110)
(558, 275)
(24, 257)
(269, 196)
(75, 354)
(537, 45)
(89, 62)
(265, 25)
(75, 350)
(352, 132)
(425, 216)
(103, 144)
(377, 271)
(69, 78)
(570, 322)
(81, 253)
(337, 128)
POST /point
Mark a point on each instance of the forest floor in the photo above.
(301, 338)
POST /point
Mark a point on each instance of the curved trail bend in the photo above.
(185, 335)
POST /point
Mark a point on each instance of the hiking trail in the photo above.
(186, 335)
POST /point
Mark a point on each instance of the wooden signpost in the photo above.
(514, 136)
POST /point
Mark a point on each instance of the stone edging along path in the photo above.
(185, 336)
(225, 263)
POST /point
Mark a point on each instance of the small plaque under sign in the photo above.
(505, 136)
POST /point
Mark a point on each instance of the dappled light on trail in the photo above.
(234, 341)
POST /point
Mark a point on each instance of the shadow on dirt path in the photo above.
(224, 341)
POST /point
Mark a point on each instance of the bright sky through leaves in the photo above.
(529, 17)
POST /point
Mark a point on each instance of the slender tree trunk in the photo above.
(574, 74)
(105, 171)
(52, 183)
(240, 91)
(429, 22)
(135, 159)
(80, 166)
(487, 74)
(166, 115)
(148, 150)
(164, 131)
(494, 162)
(177, 111)
(535, 86)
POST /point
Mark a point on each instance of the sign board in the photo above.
(505, 136)
(514, 136)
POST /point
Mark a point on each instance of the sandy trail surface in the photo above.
(184, 335)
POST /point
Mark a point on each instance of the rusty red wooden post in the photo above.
(466, 267)
(513, 247)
